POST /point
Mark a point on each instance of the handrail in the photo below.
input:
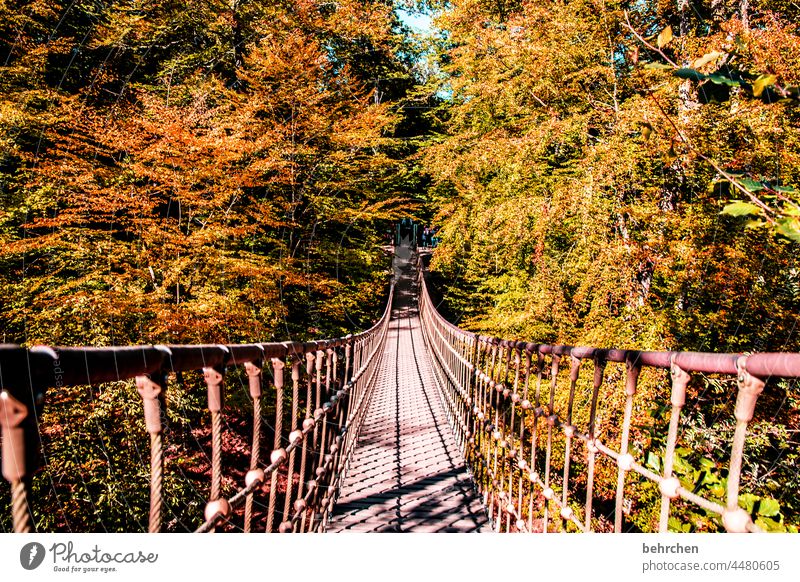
(324, 442)
(493, 388)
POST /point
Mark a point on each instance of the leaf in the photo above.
(717, 490)
(768, 507)
(681, 467)
(785, 189)
(723, 80)
(770, 525)
(691, 74)
(653, 462)
(674, 524)
(664, 37)
(754, 223)
(739, 208)
(762, 83)
(747, 501)
(707, 58)
(707, 463)
(647, 130)
(789, 227)
(659, 66)
(751, 185)
(700, 478)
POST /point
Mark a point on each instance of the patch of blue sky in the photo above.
(417, 22)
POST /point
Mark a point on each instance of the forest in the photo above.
(601, 172)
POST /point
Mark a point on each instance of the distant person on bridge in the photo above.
(405, 228)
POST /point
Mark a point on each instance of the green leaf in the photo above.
(681, 467)
(691, 74)
(664, 37)
(770, 525)
(653, 462)
(789, 227)
(673, 524)
(790, 210)
(768, 507)
(739, 208)
(700, 478)
(707, 58)
(659, 66)
(785, 189)
(762, 83)
(723, 80)
(751, 185)
(707, 463)
(747, 501)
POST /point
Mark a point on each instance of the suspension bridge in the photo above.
(412, 425)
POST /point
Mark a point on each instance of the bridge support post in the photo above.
(680, 380)
(152, 392)
(17, 427)
(277, 380)
(631, 381)
(599, 369)
(736, 519)
(214, 377)
(253, 370)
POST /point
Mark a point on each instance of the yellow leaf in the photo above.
(707, 58)
(762, 83)
(664, 37)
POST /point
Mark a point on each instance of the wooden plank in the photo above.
(407, 473)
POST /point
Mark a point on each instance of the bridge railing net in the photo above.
(329, 382)
(520, 438)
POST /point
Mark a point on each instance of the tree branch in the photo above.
(753, 198)
(647, 44)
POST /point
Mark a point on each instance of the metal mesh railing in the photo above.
(330, 383)
(521, 436)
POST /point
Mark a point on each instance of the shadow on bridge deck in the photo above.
(407, 474)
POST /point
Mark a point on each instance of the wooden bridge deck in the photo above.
(407, 474)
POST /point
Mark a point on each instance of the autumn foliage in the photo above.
(188, 172)
(195, 173)
(625, 174)
(584, 188)
(602, 172)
